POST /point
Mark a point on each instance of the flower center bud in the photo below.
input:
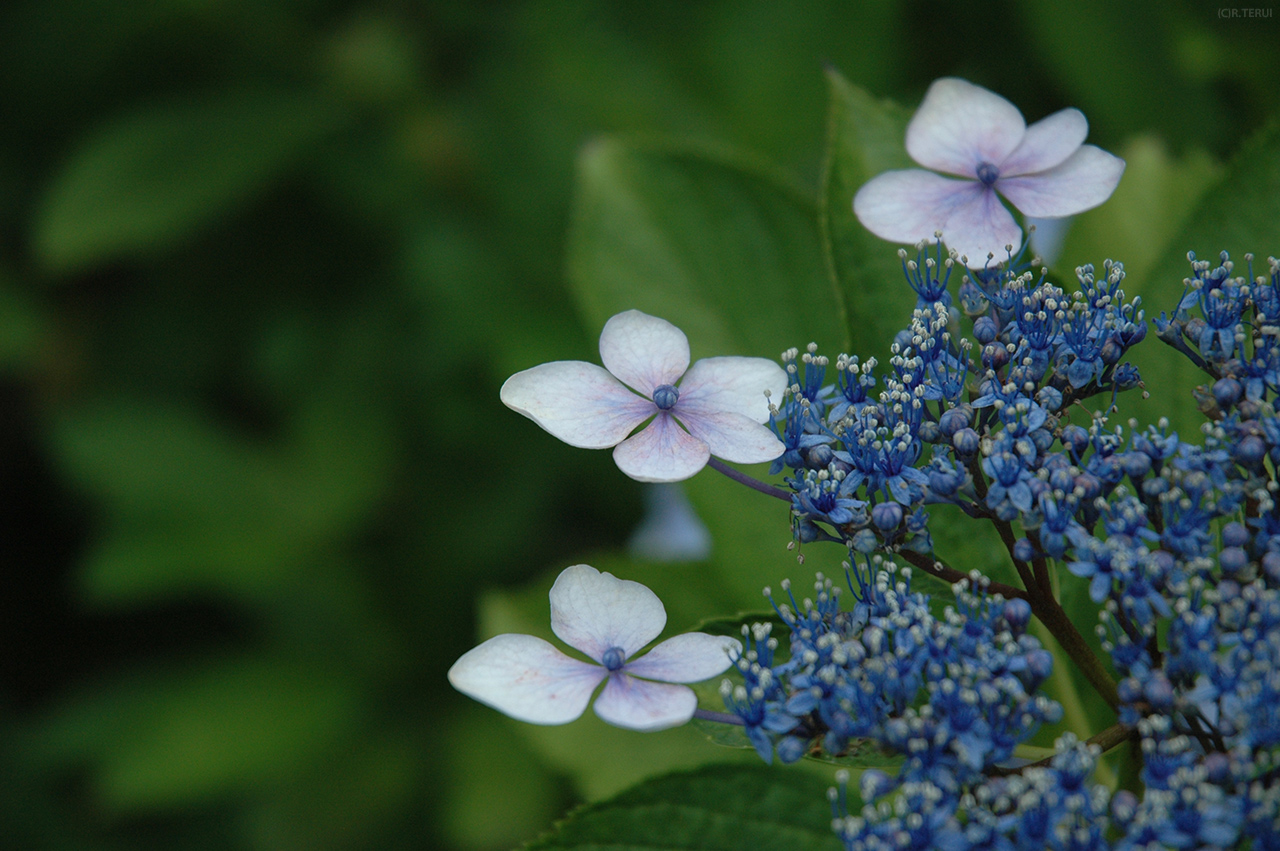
(987, 173)
(665, 397)
(613, 658)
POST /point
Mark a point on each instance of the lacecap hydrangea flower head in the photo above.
(719, 408)
(609, 619)
(1045, 171)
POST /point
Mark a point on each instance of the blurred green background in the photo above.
(263, 267)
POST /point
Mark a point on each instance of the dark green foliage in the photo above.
(263, 267)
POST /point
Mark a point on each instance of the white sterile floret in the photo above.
(961, 129)
(719, 407)
(608, 619)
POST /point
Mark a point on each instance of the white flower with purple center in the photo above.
(1044, 170)
(609, 619)
(718, 409)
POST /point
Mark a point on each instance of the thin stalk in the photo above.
(719, 717)
(743, 479)
(934, 567)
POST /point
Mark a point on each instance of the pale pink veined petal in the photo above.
(580, 403)
(981, 227)
(960, 125)
(733, 384)
(688, 658)
(644, 351)
(910, 205)
(1047, 143)
(595, 611)
(661, 452)
(643, 705)
(526, 678)
(1085, 180)
(731, 436)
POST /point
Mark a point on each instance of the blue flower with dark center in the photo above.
(1010, 482)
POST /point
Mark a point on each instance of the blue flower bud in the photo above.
(791, 749)
(665, 397)
(1129, 690)
(1023, 550)
(929, 432)
(1090, 485)
(1233, 560)
(995, 356)
(875, 783)
(985, 330)
(1227, 391)
(1136, 464)
(1271, 567)
(1112, 351)
(1042, 439)
(953, 420)
(966, 442)
(1235, 535)
(1076, 439)
(1017, 612)
(1217, 766)
(887, 516)
(1061, 479)
(1133, 333)
(1050, 398)
(944, 482)
(1249, 451)
(1039, 667)
(1159, 691)
(865, 541)
(1124, 805)
(819, 456)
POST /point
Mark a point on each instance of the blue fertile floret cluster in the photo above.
(1176, 541)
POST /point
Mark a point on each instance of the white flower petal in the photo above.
(732, 437)
(595, 611)
(643, 705)
(644, 351)
(1047, 143)
(982, 227)
(688, 658)
(1085, 180)
(661, 452)
(580, 403)
(910, 205)
(526, 678)
(960, 125)
(733, 384)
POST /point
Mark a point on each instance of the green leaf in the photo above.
(177, 737)
(864, 138)
(193, 505)
(24, 326)
(149, 180)
(721, 249)
(1089, 48)
(862, 753)
(732, 625)
(1240, 213)
(717, 807)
